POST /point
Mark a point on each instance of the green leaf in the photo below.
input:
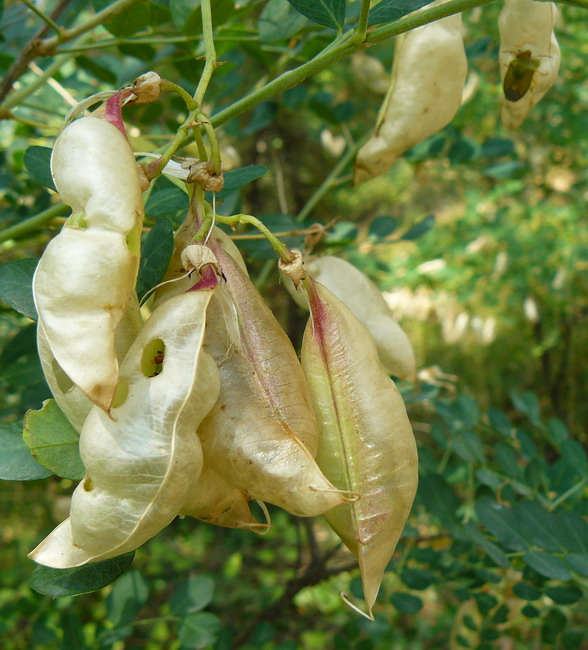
(382, 227)
(16, 462)
(261, 249)
(53, 441)
(578, 562)
(499, 421)
(167, 203)
(493, 551)
(79, 580)
(406, 603)
(485, 602)
(279, 21)
(389, 10)
(192, 595)
(558, 432)
(16, 286)
(418, 578)
(527, 403)
(73, 633)
(420, 228)
(566, 595)
(37, 160)
(23, 344)
(199, 630)
(155, 255)
(506, 169)
(508, 460)
(135, 18)
(530, 612)
(547, 565)
(526, 591)
(238, 178)
(501, 522)
(329, 13)
(541, 527)
(553, 624)
(438, 497)
(129, 593)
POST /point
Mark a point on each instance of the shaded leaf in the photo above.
(526, 591)
(566, 595)
(547, 565)
(406, 603)
(389, 10)
(16, 286)
(578, 562)
(382, 227)
(501, 522)
(129, 593)
(37, 161)
(439, 498)
(155, 255)
(167, 203)
(199, 630)
(329, 13)
(16, 461)
(53, 441)
(420, 228)
(80, 580)
(279, 20)
(192, 595)
(495, 553)
(418, 578)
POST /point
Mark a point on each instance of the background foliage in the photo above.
(478, 237)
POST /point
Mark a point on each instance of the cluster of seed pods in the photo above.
(205, 405)
(429, 75)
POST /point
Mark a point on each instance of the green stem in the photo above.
(330, 180)
(33, 223)
(209, 52)
(170, 87)
(281, 249)
(43, 16)
(215, 156)
(566, 495)
(98, 19)
(360, 31)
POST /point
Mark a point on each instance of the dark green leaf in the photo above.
(382, 227)
(495, 553)
(489, 478)
(553, 624)
(261, 117)
(261, 249)
(461, 150)
(566, 595)
(547, 565)
(238, 178)
(420, 228)
(80, 580)
(500, 422)
(526, 591)
(418, 578)
(389, 10)
(501, 522)
(485, 602)
(508, 460)
(578, 562)
(541, 527)
(279, 21)
(558, 432)
(192, 595)
(155, 255)
(199, 630)
(23, 344)
(73, 634)
(329, 13)
(530, 612)
(37, 160)
(133, 19)
(53, 441)
(16, 461)
(96, 69)
(468, 446)
(438, 497)
(496, 147)
(527, 403)
(505, 169)
(129, 593)
(16, 286)
(406, 603)
(167, 203)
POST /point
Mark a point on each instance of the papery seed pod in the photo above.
(143, 461)
(71, 400)
(366, 445)
(370, 72)
(365, 300)
(217, 502)
(86, 276)
(261, 435)
(428, 78)
(529, 56)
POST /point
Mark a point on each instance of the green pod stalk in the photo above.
(366, 444)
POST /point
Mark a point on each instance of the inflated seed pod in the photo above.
(428, 77)
(71, 400)
(143, 461)
(216, 501)
(529, 56)
(261, 435)
(365, 300)
(366, 444)
(87, 274)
